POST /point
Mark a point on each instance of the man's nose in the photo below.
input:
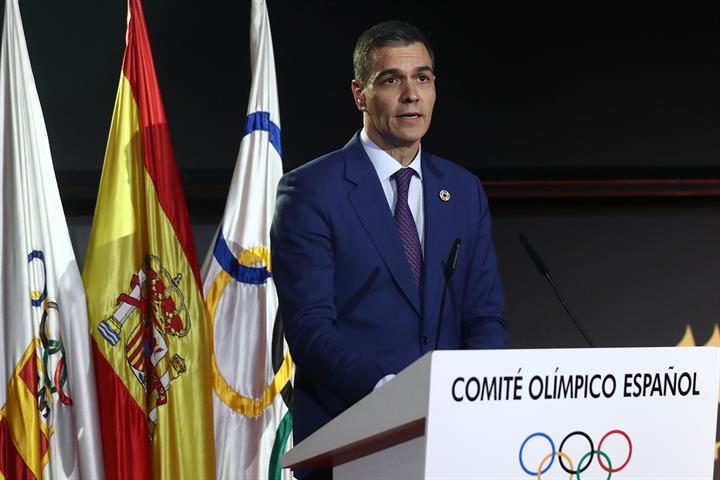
(410, 93)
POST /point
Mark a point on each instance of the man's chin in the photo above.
(409, 136)
(404, 142)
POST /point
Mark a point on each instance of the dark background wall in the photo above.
(524, 92)
(625, 85)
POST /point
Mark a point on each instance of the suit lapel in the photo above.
(368, 200)
(438, 239)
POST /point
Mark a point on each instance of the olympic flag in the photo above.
(145, 305)
(251, 369)
(48, 416)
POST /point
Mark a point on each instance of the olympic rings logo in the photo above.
(566, 462)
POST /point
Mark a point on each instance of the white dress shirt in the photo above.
(385, 167)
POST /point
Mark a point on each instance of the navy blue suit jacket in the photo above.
(351, 310)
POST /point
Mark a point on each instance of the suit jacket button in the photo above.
(425, 340)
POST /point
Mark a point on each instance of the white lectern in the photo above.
(625, 413)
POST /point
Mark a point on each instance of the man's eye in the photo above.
(424, 78)
(390, 80)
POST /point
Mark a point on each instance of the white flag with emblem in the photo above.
(252, 370)
(48, 420)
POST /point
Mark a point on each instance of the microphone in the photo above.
(545, 272)
(449, 271)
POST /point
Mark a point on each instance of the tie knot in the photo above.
(402, 179)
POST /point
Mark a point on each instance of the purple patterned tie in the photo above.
(406, 224)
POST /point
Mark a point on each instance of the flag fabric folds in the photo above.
(48, 415)
(252, 370)
(145, 307)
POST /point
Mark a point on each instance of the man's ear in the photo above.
(358, 95)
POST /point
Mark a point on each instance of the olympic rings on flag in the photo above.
(51, 348)
(584, 462)
(39, 296)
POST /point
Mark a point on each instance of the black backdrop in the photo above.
(523, 92)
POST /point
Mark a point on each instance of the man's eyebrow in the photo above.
(387, 71)
(396, 71)
(425, 69)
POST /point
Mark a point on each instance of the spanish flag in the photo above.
(145, 306)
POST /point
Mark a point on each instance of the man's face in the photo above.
(399, 96)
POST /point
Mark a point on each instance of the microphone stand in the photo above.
(567, 309)
(545, 272)
(448, 271)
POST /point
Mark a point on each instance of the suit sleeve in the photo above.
(303, 270)
(483, 312)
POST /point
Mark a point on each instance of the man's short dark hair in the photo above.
(394, 32)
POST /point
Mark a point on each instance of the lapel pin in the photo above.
(444, 195)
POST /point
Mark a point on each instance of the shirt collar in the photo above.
(384, 164)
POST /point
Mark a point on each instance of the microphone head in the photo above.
(452, 259)
(539, 264)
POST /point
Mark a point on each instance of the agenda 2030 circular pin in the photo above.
(444, 195)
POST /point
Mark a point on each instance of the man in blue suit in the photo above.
(361, 236)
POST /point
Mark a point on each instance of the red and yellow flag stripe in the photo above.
(23, 436)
